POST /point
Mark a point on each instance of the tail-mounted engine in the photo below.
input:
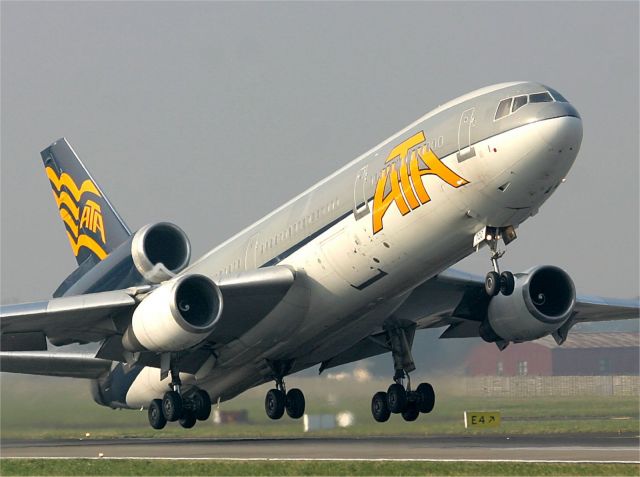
(159, 251)
(153, 254)
(178, 315)
(542, 301)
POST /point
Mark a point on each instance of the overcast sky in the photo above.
(210, 115)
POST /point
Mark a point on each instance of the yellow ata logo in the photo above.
(402, 176)
(79, 219)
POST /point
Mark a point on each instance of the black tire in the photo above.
(172, 406)
(380, 407)
(188, 420)
(492, 283)
(397, 398)
(156, 417)
(274, 403)
(426, 397)
(411, 412)
(295, 403)
(507, 283)
(202, 403)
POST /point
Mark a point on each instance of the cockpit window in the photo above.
(557, 96)
(518, 102)
(540, 98)
(503, 108)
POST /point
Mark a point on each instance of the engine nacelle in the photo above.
(159, 251)
(178, 315)
(542, 301)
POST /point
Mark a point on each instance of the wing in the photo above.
(248, 297)
(67, 365)
(457, 300)
(77, 319)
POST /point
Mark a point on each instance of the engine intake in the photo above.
(159, 251)
(543, 300)
(176, 316)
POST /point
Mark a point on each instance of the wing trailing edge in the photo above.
(69, 365)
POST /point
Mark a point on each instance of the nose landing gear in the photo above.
(496, 282)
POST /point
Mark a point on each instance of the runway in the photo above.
(432, 448)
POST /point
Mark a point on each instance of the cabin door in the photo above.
(250, 258)
(360, 199)
(467, 121)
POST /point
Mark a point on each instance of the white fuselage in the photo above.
(350, 279)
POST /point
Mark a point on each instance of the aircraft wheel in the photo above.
(294, 403)
(274, 403)
(380, 407)
(202, 403)
(188, 420)
(507, 283)
(492, 283)
(172, 406)
(411, 412)
(156, 417)
(397, 398)
(426, 397)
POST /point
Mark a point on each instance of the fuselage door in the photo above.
(360, 202)
(465, 150)
(250, 259)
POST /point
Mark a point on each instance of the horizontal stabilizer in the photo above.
(69, 365)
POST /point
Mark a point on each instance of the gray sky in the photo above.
(210, 115)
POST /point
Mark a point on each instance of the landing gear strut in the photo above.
(401, 399)
(496, 282)
(278, 400)
(187, 409)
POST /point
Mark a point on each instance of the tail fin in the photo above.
(93, 226)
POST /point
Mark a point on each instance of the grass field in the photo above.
(54, 408)
(160, 467)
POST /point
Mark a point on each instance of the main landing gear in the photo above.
(278, 400)
(496, 282)
(401, 399)
(186, 409)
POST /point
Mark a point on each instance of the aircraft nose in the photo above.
(565, 135)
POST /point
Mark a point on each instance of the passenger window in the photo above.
(540, 98)
(503, 108)
(518, 102)
(557, 96)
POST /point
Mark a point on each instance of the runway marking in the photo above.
(327, 459)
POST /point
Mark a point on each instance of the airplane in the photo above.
(349, 269)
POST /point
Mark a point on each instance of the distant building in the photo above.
(583, 354)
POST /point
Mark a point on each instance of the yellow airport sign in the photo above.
(476, 419)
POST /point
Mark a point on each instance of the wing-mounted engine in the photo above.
(543, 300)
(176, 316)
(155, 253)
